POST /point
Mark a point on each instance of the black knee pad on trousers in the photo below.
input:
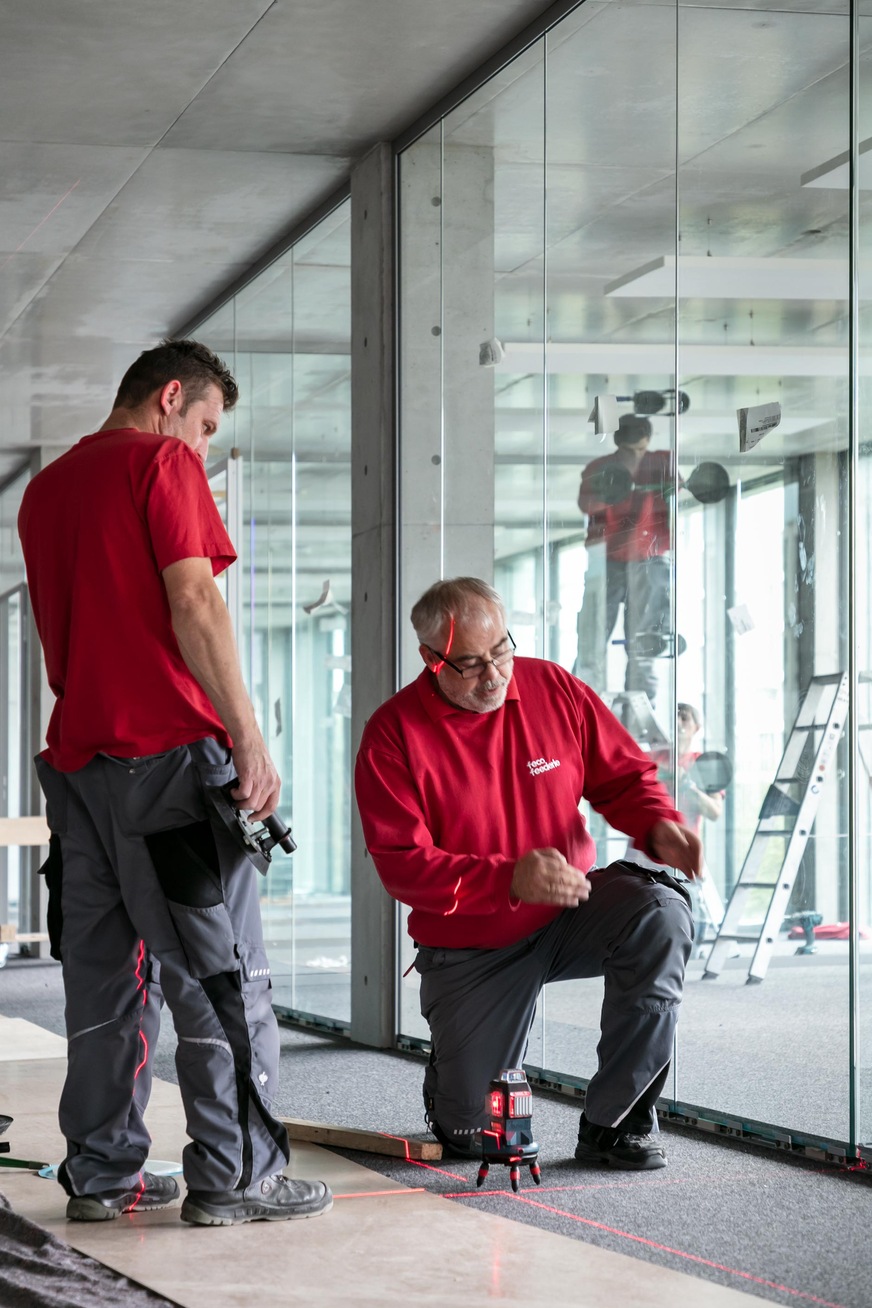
(53, 870)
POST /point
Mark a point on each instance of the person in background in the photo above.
(693, 801)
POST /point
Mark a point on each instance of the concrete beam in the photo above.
(373, 566)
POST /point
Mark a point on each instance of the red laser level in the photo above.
(508, 1137)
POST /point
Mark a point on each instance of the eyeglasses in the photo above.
(476, 666)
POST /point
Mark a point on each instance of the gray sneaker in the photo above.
(274, 1199)
(157, 1192)
(627, 1150)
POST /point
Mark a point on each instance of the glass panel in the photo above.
(514, 127)
(15, 752)
(321, 599)
(14, 755)
(290, 330)
(11, 560)
(762, 562)
(749, 534)
(610, 194)
(472, 260)
(862, 595)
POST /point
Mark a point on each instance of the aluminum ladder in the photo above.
(787, 814)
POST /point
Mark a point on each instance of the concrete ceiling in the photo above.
(149, 154)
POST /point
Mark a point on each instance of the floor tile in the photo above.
(382, 1245)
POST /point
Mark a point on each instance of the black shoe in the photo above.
(157, 1193)
(274, 1199)
(622, 1149)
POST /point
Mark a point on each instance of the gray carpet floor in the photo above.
(776, 1226)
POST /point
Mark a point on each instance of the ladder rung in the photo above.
(809, 735)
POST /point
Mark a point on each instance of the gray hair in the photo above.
(459, 597)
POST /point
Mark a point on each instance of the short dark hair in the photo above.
(189, 362)
(632, 428)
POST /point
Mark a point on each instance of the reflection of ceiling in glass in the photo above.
(301, 303)
(299, 518)
(608, 148)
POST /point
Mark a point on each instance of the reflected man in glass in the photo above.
(629, 561)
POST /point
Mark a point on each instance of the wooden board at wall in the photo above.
(23, 831)
(371, 1142)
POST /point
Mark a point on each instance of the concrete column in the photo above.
(447, 397)
(373, 573)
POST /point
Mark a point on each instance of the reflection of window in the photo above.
(14, 742)
(288, 336)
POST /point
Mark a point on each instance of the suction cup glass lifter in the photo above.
(647, 403)
(257, 841)
(709, 483)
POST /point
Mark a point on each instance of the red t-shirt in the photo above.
(638, 527)
(451, 799)
(97, 528)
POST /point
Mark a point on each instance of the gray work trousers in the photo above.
(159, 900)
(644, 587)
(635, 931)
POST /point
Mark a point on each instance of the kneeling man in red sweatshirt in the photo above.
(469, 782)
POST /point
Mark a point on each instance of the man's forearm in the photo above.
(204, 633)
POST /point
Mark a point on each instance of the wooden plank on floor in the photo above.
(371, 1142)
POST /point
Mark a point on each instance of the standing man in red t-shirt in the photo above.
(122, 540)
(628, 543)
(469, 782)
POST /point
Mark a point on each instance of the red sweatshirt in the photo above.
(451, 799)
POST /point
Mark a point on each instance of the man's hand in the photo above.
(677, 846)
(259, 782)
(543, 876)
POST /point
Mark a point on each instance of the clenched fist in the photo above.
(543, 876)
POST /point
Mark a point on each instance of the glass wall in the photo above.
(626, 315)
(15, 744)
(281, 472)
(860, 592)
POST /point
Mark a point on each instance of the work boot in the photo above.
(627, 1150)
(467, 1147)
(155, 1192)
(274, 1199)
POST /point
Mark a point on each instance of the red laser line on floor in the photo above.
(540, 1189)
(372, 1194)
(589, 1186)
(416, 1162)
(679, 1253)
